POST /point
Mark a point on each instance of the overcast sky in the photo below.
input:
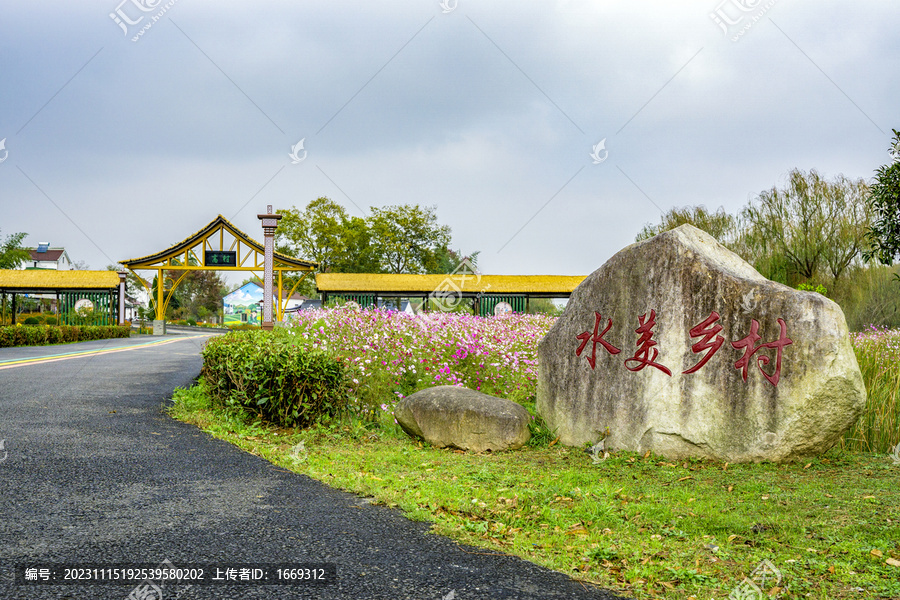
(120, 143)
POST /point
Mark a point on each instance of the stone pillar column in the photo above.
(269, 224)
(122, 276)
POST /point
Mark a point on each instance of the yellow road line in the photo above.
(58, 357)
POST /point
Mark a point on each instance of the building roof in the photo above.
(52, 254)
(199, 242)
(467, 284)
(49, 279)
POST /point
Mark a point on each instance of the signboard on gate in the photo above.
(219, 258)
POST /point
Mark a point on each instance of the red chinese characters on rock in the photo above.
(703, 329)
(645, 346)
(708, 330)
(748, 344)
(597, 339)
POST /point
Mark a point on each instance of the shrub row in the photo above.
(37, 319)
(39, 335)
(242, 326)
(266, 374)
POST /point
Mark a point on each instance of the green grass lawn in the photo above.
(641, 525)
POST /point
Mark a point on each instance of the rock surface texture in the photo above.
(678, 346)
(462, 418)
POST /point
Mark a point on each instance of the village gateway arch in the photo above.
(220, 246)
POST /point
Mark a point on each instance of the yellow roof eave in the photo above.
(151, 261)
(466, 283)
(48, 279)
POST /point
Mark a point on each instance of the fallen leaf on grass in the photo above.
(685, 478)
(808, 465)
(876, 552)
(893, 562)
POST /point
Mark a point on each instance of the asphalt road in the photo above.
(93, 472)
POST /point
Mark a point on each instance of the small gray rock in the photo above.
(462, 418)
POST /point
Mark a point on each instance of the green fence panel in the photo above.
(364, 300)
(487, 303)
(104, 304)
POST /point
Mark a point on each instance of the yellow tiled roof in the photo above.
(490, 284)
(37, 279)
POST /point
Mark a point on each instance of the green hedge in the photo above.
(242, 327)
(265, 373)
(39, 335)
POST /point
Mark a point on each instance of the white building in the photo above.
(45, 257)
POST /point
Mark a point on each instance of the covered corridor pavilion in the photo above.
(67, 285)
(484, 291)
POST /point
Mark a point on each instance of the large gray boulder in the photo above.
(462, 418)
(678, 346)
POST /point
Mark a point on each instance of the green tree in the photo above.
(810, 228)
(360, 254)
(317, 233)
(394, 239)
(720, 224)
(200, 294)
(326, 234)
(408, 238)
(884, 202)
(12, 254)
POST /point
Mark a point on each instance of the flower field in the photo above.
(393, 354)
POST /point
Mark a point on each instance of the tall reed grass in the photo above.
(878, 354)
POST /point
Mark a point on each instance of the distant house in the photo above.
(244, 305)
(45, 257)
